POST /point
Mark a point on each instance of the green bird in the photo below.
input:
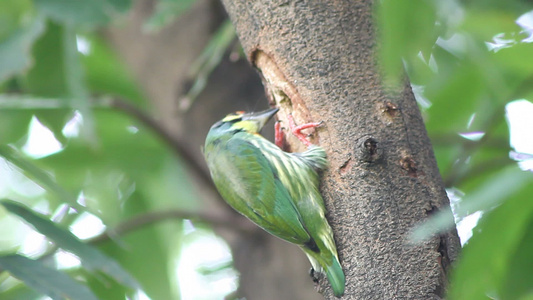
(275, 189)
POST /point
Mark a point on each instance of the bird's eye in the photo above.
(236, 119)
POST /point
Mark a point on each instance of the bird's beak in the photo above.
(262, 117)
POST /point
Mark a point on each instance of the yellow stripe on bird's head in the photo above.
(249, 122)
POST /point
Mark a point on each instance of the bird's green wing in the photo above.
(250, 184)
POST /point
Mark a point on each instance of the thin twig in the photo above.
(23, 102)
(149, 218)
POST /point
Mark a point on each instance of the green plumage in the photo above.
(276, 190)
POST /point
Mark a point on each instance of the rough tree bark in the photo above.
(317, 60)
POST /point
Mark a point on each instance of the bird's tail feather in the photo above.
(336, 277)
(332, 270)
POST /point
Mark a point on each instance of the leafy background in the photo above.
(98, 196)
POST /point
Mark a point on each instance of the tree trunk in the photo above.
(318, 62)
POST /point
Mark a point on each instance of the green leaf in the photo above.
(494, 190)
(160, 240)
(105, 72)
(47, 76)
(490, 255)
(20, 291)
(38, 175)
(130, 161)
(154, 243)
(76, 85)
(90, 257)
(15, 49)
(58, 74)
(518, 282)
(489, 194)
(516, 64)
(45, 280)
(484, 24)
(14, 14)
(14, 125)
(397, 25)
(447, 113)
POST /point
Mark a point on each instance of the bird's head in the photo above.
(248, 122)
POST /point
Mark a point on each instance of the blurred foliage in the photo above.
(49, 281)
(468, 61)
(165, 12)
(207, 62)
(57, 72)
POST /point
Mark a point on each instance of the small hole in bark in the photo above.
(370, 151)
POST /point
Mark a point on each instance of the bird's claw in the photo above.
(297, 130)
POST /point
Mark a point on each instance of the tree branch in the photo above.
(24, 102)
(176, 144)
(137, 222)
